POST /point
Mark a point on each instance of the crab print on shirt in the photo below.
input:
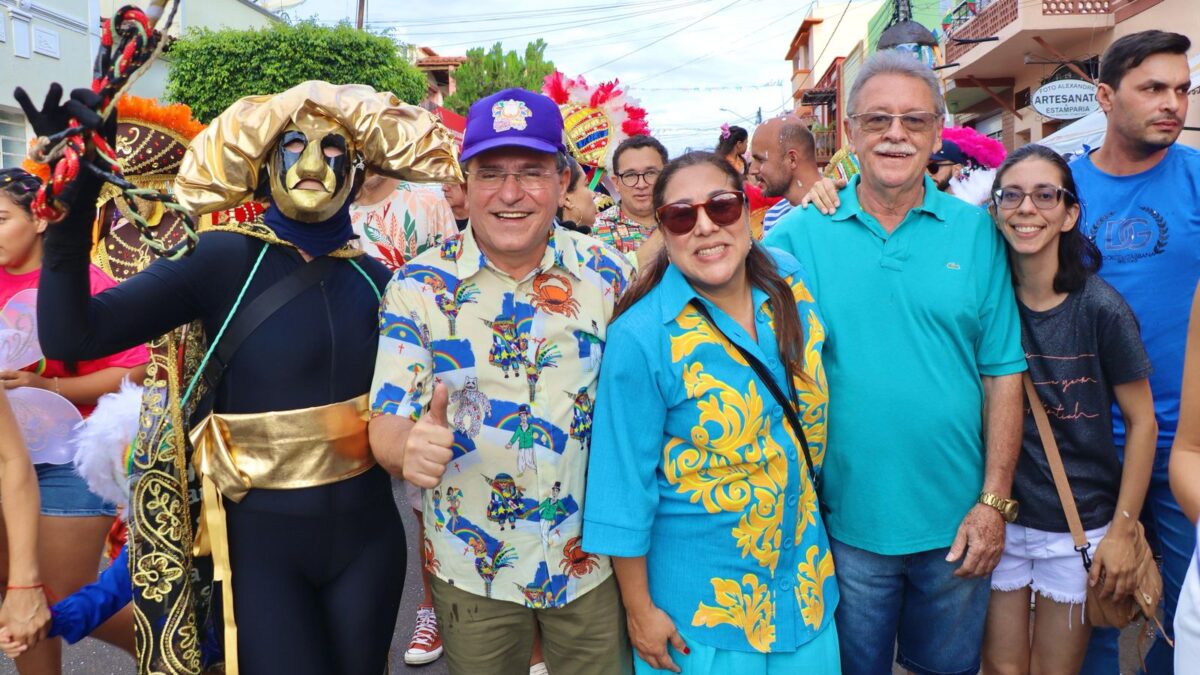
(520, 358)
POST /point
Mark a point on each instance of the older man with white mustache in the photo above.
(923, 361)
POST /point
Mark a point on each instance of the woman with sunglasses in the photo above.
(708, 435)
(1084, 352)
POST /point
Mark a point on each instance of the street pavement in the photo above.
(92, 657)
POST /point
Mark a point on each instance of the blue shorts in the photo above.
(64, 493)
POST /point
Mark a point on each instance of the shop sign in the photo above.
(1065, 99)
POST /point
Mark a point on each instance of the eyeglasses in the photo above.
(723, 209)
(530, 179)
(630, 178)
(875, 122)
(934, 167)
(1044, 197)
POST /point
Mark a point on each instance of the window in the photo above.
(13, 143)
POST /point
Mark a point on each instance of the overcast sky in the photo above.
(659, 49)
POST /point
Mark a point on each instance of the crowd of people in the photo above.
(938, 409)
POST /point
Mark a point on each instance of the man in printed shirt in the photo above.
(637, 162)
(498, 324)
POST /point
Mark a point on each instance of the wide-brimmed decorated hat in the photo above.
(222, 166)
(151, 141)
(595, 118)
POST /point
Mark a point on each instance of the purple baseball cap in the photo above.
(512, 118)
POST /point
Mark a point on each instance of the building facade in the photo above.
(994, 85)
(41, 41)
(44, 41)
(828, 50)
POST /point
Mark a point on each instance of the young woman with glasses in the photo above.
(1084, 352)
(708, 434)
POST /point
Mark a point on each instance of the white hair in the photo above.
(895, 62)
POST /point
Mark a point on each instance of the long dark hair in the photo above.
(20, 186)
(1078, 257)
(760, 268)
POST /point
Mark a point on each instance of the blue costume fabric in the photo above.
(77, 615)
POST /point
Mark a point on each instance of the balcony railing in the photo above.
(986, 18)
(1056, 7)
(987, 22)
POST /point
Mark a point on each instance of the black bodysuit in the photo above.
(317, 571)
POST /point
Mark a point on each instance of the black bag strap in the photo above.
(784, 402)
(259, 310)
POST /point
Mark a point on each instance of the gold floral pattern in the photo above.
(170, 592)
(733, 464)
(751, 610)
(810, 585)
(155, 575)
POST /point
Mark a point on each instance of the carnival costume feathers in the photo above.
(984, 155)
(595, 118)
(102, 444)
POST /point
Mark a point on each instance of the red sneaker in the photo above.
(426, 643)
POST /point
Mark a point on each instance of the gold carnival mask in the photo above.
(222, 166)
(314, 152)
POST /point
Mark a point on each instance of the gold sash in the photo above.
(275, 450)
(284, 450)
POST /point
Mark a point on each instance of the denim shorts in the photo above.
(1047, 562)
(64, 493)
(911, 606)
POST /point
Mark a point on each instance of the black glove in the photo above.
(52, 118)
(54, 115)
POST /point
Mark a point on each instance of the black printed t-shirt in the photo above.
(1077, 352)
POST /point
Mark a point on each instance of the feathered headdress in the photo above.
(984, 152)
(595, 118)
(984, 155)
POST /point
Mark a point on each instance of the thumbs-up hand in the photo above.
(427, 451)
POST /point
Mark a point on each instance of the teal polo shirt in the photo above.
(915, 319)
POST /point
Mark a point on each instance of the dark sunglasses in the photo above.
(723, 209)
(934, 167)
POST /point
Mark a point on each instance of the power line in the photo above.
(606, 40)
(575, 22)
(738, 40)
(728, 87)
(828, 41)
(518, 15)
(525, 32)
(675, 32)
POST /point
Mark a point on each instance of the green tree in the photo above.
(209, 70)
(486, 73)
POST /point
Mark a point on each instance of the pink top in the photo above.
(11, 284)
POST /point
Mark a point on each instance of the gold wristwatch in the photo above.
(1006, 507)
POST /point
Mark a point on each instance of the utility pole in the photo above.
(362, 14)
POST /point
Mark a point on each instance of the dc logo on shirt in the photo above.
(1129, 239)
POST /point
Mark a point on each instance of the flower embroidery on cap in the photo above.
(510, 114)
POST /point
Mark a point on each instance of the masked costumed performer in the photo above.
(304, 534)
